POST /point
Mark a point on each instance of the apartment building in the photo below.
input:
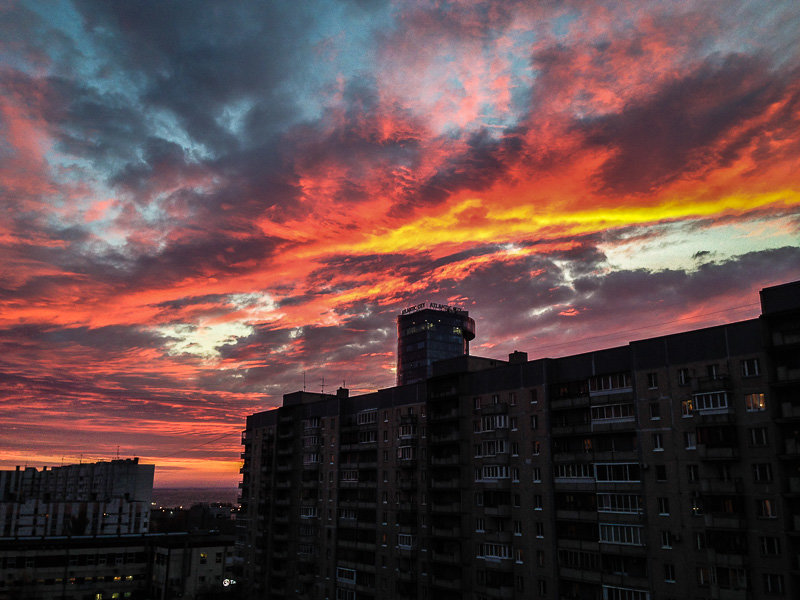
(107, 497)
(665, 468)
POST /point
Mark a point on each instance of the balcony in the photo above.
(448, 584)
(721, 486)
(455, 459)
(449, 508)
(438, 531)
(725, 521)
(572, 429)
(792, 448)
(443, 415)
(450, 558)
(705, 452)
(445, 436)
(564, 403)
(502, 510)
(445, 484)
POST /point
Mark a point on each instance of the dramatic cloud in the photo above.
(209, 206)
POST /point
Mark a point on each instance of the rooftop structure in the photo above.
(427, 333)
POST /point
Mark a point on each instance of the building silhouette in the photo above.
(665, 468)
(107, 497)
(427, 333)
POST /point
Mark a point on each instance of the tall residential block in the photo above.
(665, 468)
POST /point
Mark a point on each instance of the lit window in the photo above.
(755, 402)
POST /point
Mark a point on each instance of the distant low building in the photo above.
(99, 498)
(143, 567)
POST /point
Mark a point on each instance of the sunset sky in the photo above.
(204, 201)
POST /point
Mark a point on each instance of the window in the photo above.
(773, 583)
(704, 576)
(762, 472)
(517, 527)
(367, 437)
(537, 474)
(755, 402)
(758, 436)
(478, 498)
(614, 533)
(512, 398)
(661, 473)
(514, 423)
(750, 367)
(658, 442)
(500, 551)
(697, 506)
(613, 412)
(669, 573)
(345, 575)
(655, 411)
(537, 502)
(692, 473)
(687, 408)
(308, 512)
(617, 472)
(537, 447)
(574, 470)
(652, 380)
(539, 529)
(477, 402)
(663, 506)
(713, 371)
(516, 501)
(480, 525)
(494, 472)
(405, 540)
(603, 383)
(367, 417)
(534, 422)
(619, 503)
(683, 376)
(534, 396)
(770, 546)
(611, 592)
(515, 448)
(342, 594)
(666, 539)
(495, 398)
(711, 402)
(515, 473)
(766, 508)
(690, 440)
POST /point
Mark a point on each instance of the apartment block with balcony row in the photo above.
(665, 468)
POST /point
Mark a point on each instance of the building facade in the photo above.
(111, 567)
(427, 333)
(666, 468)
(110, 497)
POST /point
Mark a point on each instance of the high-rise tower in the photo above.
(429, 332)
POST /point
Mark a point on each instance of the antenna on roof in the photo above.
(304, 381)
(323, 386)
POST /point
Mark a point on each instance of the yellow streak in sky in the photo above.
(499, 225)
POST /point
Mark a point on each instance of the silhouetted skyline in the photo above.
(208, 205)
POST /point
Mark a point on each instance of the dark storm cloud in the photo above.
(687, 124)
